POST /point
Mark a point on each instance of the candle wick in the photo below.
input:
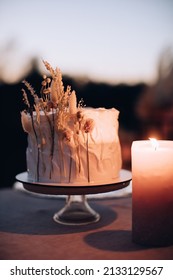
(154, 143)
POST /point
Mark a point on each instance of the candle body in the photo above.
(152, 193)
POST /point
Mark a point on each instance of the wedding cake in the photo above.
(68, 142)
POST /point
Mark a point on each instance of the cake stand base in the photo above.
(76, 212)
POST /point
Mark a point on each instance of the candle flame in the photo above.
(154, 143)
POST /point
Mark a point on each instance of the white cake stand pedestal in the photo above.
(76, 211)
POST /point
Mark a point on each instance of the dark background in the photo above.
(141, 114)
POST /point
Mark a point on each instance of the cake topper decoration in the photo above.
(64, 117)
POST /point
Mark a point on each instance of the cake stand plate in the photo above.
(76, 210)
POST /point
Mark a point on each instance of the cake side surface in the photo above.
(91, 156)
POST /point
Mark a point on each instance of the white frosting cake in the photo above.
(69, 143)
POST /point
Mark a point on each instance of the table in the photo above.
(28, 232)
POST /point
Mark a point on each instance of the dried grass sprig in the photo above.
(31, 90)
(49, 68)
(88, 162)
(38, 146)
(36, 107)
(81, 104)
(45, 89)
(59, 85)
(52, 132)
(25, 98)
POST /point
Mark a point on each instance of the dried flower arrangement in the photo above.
(60, 109)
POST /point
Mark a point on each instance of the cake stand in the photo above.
(76, 211)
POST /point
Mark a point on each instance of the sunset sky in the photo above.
(105, 40)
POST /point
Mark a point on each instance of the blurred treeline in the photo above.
(145, 111)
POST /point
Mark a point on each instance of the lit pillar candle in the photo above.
(152, 192)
